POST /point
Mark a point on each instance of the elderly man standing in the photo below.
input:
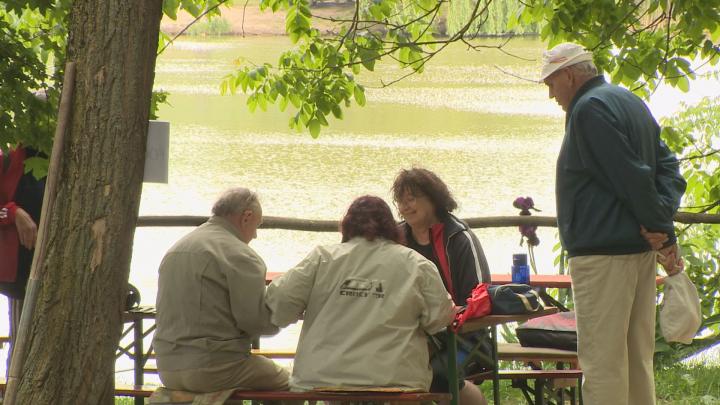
(617, 189)
(210, 304)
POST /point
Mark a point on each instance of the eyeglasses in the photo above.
(409, 200)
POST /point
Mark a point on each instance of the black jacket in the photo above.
(465, 257)
(613, 174)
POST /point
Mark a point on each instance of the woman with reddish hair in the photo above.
(368, 304)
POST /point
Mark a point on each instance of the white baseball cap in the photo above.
(562, 56)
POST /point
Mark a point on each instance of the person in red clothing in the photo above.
(20, 205)
(425, 204)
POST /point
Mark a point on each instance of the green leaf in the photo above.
(295, 100)
(670, 135)
(359, 94)
(386, 7)
(38, 166)
(683, 84)
(191, 7)
(376, 12)
(367, 58)
(170, 8)
(337, 111)
(321, 118)
(252, 102)
(323, 105)
(314, 127)
(224, 87)
(262, 101)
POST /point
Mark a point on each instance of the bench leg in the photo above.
(579, 390)
(540, 391)
(496, 378)
(452, 372)
(139, 357)
(525, 389)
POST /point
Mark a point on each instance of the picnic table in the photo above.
(140, 329)
(491, 321)
(141, 320)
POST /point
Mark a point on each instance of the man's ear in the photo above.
(246, 215)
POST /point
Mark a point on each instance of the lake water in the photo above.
(490, 136)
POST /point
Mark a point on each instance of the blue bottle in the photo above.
(520, 270)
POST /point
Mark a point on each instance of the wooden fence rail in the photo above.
(320, 225)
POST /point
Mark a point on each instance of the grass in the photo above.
(675, 384)
(687, 384)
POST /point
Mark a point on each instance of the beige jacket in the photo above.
(367, 307)
(210, 300)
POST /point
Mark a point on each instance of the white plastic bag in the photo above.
(680, 316)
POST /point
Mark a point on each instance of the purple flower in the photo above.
(525, 204)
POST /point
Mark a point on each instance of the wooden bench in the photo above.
(551, 386)
(145, 391)
(516, 352)
(543, 390)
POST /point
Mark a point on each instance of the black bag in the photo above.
(474, 353)
(132, 300)
(514, 299)
(556, 331)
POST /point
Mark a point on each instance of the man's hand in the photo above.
(670, 259)
(654, 239)
(26, 228)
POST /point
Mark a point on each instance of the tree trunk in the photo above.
(77, 319)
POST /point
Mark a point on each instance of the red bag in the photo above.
(478, 305)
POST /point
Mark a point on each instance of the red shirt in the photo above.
(9, 242)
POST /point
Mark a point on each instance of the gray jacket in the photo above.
(210, 300)
(367, 307)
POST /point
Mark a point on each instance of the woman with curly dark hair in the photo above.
(425, 203)
(368, 303)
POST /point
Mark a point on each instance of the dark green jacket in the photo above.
(613, 174)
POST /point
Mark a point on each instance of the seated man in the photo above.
(210, 304)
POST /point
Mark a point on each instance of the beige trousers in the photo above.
(615, 309)
(252, 373)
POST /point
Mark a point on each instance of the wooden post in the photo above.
(33, 286)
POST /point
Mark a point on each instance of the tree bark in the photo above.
(77, 320)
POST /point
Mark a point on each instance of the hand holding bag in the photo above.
(514, 299)
(680, 316)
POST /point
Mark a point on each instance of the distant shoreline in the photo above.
(251, 21)
(263, 23)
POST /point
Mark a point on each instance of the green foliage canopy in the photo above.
(33, 38)
(640, 44)
(693, 133)
(32, 42)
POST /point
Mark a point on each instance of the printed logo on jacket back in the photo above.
(360, 287)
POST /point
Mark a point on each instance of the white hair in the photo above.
(236, 200)
(585, 68)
